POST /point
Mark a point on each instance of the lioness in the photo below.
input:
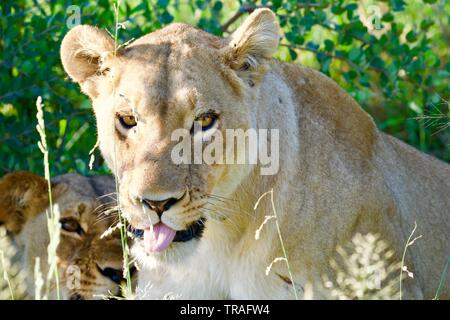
(89, 267)
(338, 174)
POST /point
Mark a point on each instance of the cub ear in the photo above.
(22, 196)
(255, 41)
(58, 189)
(83, 51)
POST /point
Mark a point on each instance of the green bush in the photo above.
(394, 62)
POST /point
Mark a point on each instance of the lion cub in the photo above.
(90, 267)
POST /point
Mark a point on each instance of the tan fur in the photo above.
(23, 195)
(338, 174)
(81, 258)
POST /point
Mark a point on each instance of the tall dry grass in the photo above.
(364, 270)
(122, 223)
(284, 258)
(12, 275)
(52, 213)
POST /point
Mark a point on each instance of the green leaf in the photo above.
(276, 4)
(27, 66)
(411, 36)
(218, 5)
(377, 62)
(364, 80)
(352, 74)
(329, 45)
(392, 122)
(398, 5)
(166, 18)
(307, 21)
(354, 54)
(325, 66)
(162, 3)
(62, 127)
(294, 38)
(426, 24)
(293, 54)
(351, 7)
(321, 56)
(312, 45)
(431, 59)
(337, 8)
(387, 17)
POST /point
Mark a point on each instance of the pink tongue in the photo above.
(160, 239)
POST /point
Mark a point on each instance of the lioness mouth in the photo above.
(194, 231)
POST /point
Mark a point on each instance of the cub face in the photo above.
(90, 266)
(176, 78)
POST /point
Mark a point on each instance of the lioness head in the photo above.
(175, 78)
(89, 266)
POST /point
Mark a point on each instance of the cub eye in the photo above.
(206, 120)
(127, 122)
(71, 225)
(114, 274)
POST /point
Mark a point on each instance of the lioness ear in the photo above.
(255, 41)
(83, 50)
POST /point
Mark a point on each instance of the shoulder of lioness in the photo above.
(321, 100)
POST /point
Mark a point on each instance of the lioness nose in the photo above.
(160, 206)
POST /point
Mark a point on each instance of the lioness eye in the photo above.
(206, 120)
(128, 121)
(71, 225)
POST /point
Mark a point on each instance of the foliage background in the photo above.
(399, 73)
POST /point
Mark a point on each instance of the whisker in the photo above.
(114, 221)
(220, 217)
(220, 197)
(220, 200)
(104, 205)
(107, 195)
(232, 209)
(108, 209)
(107, 215)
